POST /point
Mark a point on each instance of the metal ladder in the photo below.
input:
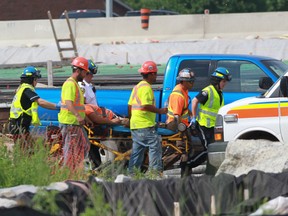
(59, 41)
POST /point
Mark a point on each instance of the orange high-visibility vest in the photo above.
(184, 115)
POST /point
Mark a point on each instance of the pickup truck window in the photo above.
(249, 77)
(277, 67)
(201, 70)
(245, 76)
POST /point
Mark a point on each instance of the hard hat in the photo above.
(186, 74)
(31, 71)
(93, 68)
(222, 73)
(80, 62)
(148, 67)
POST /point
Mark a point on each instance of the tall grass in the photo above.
(18, 167)
(40, 168)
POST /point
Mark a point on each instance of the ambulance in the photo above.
(262, 117)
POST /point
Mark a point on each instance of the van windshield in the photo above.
(276, 66)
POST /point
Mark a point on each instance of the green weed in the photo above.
(98, 206)
(35, 167)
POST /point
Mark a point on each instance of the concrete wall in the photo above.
(161, 28)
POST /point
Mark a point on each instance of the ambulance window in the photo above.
(249, 77)
(201, 70)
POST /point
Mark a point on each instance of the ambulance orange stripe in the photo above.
(284, 111)
(255, 113)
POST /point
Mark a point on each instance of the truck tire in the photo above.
(214, 147)
(210, 170)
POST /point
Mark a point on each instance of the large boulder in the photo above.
(243, 156)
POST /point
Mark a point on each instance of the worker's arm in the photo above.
(195, 102)
(45, 104)
(152, 108)
(129, 111)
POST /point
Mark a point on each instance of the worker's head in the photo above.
(220, 77)
(80, 67)
(93, 68)
(30, 74)
(186, 77)
(149, 70)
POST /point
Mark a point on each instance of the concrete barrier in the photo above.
(161, 28)
(122, 40)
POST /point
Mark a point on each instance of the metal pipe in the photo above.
(109, 8)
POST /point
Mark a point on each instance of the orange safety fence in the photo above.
(72, 149)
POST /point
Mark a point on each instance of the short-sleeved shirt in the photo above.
(142, 118)
(100, 111)
(68, 91)
(89, 93)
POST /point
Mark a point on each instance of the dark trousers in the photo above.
(21, 134)
(206, 135)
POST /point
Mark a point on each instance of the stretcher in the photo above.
(115, 144)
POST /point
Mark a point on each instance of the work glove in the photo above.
(193, 127)
(193, 123)
(58, 105)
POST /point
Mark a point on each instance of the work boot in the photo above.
(185, 169)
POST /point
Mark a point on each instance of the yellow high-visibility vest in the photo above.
(17, 110)
(208, 111)
(141, 118)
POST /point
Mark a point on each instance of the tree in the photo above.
(215, 6)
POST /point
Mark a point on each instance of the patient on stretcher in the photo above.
(101, 115)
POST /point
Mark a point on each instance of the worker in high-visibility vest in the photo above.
(179, 112)
(208, 102)
(142, 113)
(24, 107)
(72, 117)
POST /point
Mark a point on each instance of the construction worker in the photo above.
(23, 111)
(178, 112)
(72, 117)
(179, 100)
(87, 87)
(142, 113)
(211, 100)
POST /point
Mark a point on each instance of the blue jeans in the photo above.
(142, 139)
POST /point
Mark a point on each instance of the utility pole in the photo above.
(109, 8)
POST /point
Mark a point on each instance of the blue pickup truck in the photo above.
(246, 72)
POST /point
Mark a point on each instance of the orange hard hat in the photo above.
(80, 62)
(148, 67)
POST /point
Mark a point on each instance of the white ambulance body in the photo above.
(261, 117)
